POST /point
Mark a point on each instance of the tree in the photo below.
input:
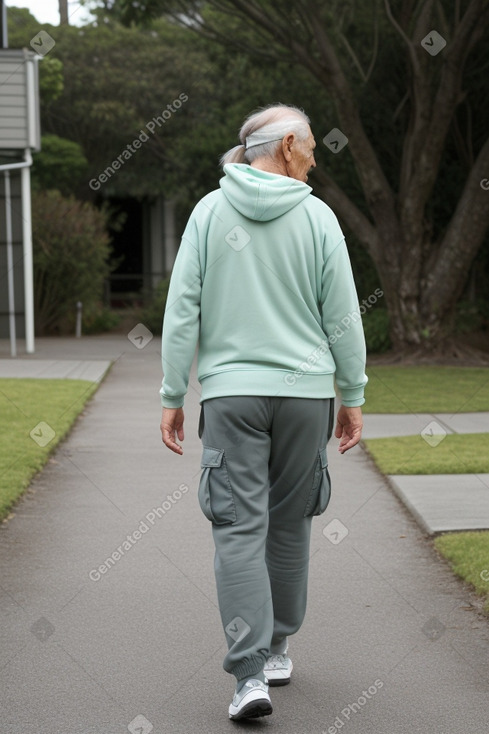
(22, 26)
(120, 86)
(431, 100)
(115, 80)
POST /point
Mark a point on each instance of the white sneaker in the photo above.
(252, 701)
(278, 669)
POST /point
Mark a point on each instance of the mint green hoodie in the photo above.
(262, 280)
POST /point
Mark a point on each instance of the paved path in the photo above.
(392, 642)
(439, 503)
(378, 425)
(63, 369)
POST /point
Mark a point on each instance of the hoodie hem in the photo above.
(270, 383)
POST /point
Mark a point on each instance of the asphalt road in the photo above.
(392, 642)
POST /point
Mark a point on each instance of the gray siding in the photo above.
(14, 132)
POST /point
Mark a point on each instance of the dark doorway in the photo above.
(126, 281)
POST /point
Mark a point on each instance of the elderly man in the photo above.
(263, 283)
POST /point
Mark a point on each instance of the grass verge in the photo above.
(426, 389)
(468, 555)
(455, 454)
(36, 415)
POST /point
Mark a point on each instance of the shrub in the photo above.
(471, 316)
(71, 259)
(60, 164)
(152, 314)
(100, 320)
(376, 328)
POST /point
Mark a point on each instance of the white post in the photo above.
(27, 245)
(10, 265)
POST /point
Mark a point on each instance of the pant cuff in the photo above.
(249, 667)
(279, 647)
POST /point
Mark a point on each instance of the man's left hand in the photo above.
(171, 424)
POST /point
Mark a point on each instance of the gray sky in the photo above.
(46, 11)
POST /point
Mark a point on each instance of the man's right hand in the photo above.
(349, 424)
(171, 427)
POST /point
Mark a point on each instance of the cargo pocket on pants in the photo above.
(320, 493)
(215, 492)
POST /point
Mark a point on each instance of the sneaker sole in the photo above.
(273, 682)
(278, 677)
(253, 710)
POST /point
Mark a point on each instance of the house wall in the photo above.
(19, 131)
(16, 207)
(19, 100)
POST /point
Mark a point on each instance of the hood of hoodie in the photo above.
(260, 195)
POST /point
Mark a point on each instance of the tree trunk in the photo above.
(63, 12)
(421, 280)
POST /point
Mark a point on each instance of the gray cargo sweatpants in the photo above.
(264, 477)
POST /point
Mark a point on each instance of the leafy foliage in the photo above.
(51, 79)
(152, 314)
(100, 320)
(22, 27)
(60, 164)
(71, 258)
(376, 329)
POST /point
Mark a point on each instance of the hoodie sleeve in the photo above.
(182, 320)
(342, 323)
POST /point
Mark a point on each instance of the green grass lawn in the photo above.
(436, 390)
(26, 445)
(468, 555)
(455, 454)
(426, 389)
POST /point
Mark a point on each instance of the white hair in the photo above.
(263, 130)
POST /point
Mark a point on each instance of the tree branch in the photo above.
(353, 56)
(425, 142)
(197, 25)
(463, 237)
(365, 75)
(376, 49)
(347, 211)
(377, 191)
(328, 71)
(420, 94)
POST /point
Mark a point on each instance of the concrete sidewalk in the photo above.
(379, 425)
(62, 369)
(441, 502)
(392, 642)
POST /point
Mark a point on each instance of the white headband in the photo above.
(264, 140)
(268, 133)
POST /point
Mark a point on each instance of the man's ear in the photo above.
(287, 145)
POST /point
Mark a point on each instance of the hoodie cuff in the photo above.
(168, 402)
(353, 398)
